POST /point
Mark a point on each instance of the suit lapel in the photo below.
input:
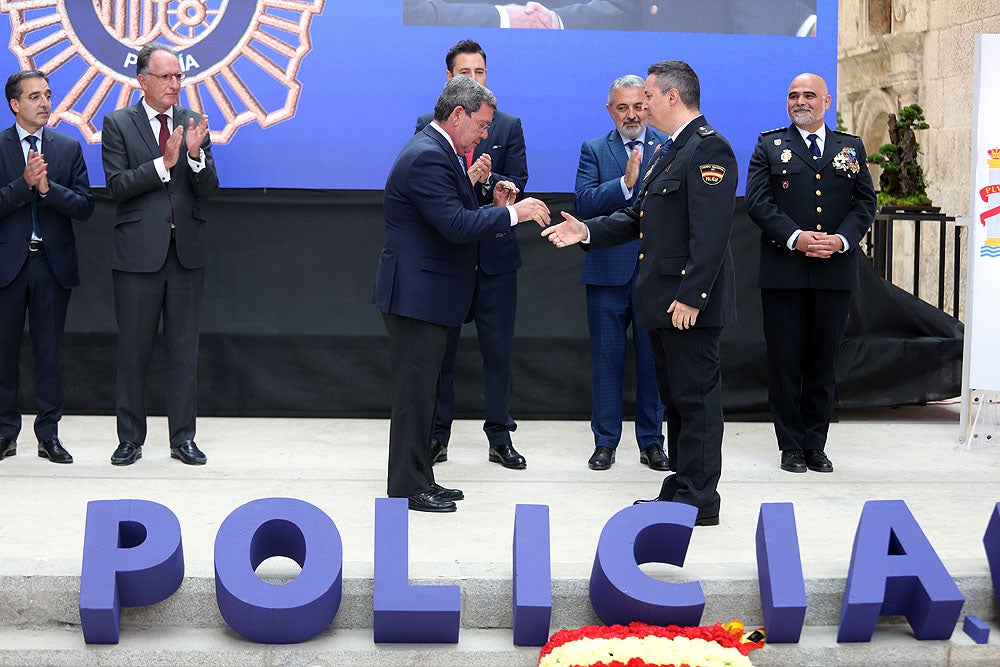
(665, 161)
(144, 128)
(831, 147)
(617, 149)
(453, 158)
(12, 152)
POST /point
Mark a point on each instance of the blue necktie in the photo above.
(35, 232)
(814, 146)
(630, 146)
(663, 149)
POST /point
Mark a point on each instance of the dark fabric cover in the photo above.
(288, 328)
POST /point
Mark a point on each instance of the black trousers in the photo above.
(140, 299)
(803, 329)
(416, 349)
(35, 291)
(690, 381)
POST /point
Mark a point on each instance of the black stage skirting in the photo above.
(288, 328)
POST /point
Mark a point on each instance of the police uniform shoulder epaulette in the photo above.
(846, 134)
(777, 129)
(706, 130)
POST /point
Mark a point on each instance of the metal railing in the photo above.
(881, 244)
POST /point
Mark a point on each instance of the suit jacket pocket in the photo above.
(673, 266)
(128, 216)
(785, 169)
(439, 266)
(661, 188)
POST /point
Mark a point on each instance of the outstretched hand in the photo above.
(569, 232)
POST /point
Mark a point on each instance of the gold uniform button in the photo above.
(819, 193)
(818, 177)
(640, 235)
(642, 213)
(784, 171)
(819, 209)
(640, 255)
(704, 296)
(683, 272)
(819, 228)
(664, 191)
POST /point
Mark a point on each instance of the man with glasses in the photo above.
(499, 157)
(426, 273)
(45, 187)
(158, 166)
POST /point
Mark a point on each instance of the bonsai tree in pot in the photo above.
(902, 182)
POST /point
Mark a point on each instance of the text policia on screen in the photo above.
(132, 556)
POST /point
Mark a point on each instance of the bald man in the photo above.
(810, 192)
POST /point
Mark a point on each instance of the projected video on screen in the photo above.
(322, 94)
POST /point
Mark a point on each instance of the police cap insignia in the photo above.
(712, 174)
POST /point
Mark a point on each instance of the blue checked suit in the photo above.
(609, 274)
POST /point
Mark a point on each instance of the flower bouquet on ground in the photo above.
(641, 645)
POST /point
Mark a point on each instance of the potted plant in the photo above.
(902, 185)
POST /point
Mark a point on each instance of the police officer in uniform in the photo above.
(685, 290)
(810, 192)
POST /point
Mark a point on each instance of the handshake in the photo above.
(532, 15)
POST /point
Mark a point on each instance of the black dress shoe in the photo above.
(8, 447)
(507, 456)
(126, 454)
(792, 460)
(188, 453)
(439, 451)
(53, 450)
(707, 520)
(446, 494)
(601, 459)
(428, 502)
(654, 457)
(816, 460)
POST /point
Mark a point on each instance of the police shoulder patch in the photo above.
(777, 129)
(846, 134)
(712, 174)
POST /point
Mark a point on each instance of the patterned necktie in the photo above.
(35, 231)
(164, 132)
(630, 146)
(814, 146)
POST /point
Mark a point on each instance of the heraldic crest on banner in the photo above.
(241, 57)
(991, 217)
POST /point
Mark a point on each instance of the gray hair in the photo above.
(461, 91)
(627, 81)
(678, 74)
(146, 54)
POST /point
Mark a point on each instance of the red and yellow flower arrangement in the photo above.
(641, 645)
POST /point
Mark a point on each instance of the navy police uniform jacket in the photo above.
(788, 190)
(682, 217)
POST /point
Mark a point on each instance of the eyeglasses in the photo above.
(483, 125)
(165, 78)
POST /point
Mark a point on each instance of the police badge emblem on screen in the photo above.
(240, 58)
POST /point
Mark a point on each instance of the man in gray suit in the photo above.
(159, 248)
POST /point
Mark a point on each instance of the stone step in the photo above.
(486, 602)
(61, 644)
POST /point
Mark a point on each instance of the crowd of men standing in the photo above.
(656, 196)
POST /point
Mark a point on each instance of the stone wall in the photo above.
(898, 52)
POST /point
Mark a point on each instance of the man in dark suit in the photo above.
(426, 273)
(685, 290)
(44, 187)
(499, 158)
(158, 166)
(607, 179)
(810, 192)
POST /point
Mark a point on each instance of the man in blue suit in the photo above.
(426, 273)
(607, 180)
(44, 187)
(500, 157)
